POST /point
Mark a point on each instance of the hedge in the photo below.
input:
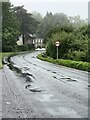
(18, 48)
(68, 63)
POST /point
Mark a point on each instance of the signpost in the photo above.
(57, 43)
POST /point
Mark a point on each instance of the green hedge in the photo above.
(8, 48)
(24, 48)
(68, 63)
(17, 48)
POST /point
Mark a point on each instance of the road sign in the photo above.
(57, 43)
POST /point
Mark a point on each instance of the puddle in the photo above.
(12, 67)
(18, 70)
(55, 77)
(28, 74)
(28, 79)
(35, 90)
(69, 79)
(72, 80)
(27, 86)
(15, 68)
(35, 64)
(54, 72)
(30, 62)
(26, 68)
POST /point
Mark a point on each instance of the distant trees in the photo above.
(50, 22)
(77, 21)
(37, 16)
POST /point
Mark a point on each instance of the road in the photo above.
(38, 89)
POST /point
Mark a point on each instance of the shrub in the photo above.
(8, 48)
(76, 55)
(65, 40)
(69, 63)
(24, 48)
(74, 45)
(31, 46)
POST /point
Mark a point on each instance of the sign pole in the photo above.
(57, 43)
(57, 52)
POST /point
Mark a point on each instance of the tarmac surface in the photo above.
(31, 88)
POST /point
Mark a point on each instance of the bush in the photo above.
(24, 48)
(31, 46)
(74, 44)
(76, 55)
(65, 40)
(69, 63)
(17, 48)
(8, 48)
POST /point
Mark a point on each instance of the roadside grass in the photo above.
(9, 54)
(68, 63)
(2, 55)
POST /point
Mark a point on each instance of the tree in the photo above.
(28, 24)
(56, 29)
(10, 27)
(77, 21)
(37, 16)
(50, 21)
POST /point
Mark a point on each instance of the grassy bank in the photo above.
(2, 55)
(9, 54)
(68, 63)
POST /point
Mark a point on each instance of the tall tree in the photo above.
(28, 24)
(10, 27)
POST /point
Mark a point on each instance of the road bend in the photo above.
(32, 88)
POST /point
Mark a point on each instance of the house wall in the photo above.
(20, 41)
(29, 41)
(38, 42)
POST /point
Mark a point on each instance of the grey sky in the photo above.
(70, 8)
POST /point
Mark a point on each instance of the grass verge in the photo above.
(10, 54)
(68, 63)
(5, 54)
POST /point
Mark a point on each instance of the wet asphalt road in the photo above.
(43, 90)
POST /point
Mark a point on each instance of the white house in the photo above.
(38, 42)
(20, 41)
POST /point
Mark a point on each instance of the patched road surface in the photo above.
(38, 89)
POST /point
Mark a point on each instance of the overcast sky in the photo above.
(69, 7)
